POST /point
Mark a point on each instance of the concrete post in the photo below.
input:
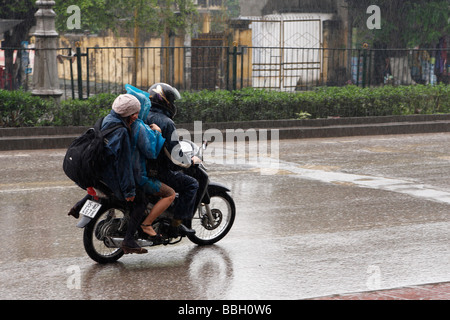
(45, 74)
(188, 61)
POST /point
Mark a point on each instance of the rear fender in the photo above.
(84, 221)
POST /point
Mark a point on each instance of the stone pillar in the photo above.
(45, 74)
(188, 61)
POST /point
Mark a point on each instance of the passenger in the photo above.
(147, 143)
(163, 109)
(118, 175)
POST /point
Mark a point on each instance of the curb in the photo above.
(61, 137)
(432, 291)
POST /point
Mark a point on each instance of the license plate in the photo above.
(90, 208)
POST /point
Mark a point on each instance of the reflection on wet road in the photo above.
(339, 215)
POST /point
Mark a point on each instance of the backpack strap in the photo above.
(113, 128)
(105, 132)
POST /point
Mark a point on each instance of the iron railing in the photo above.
(87, 71)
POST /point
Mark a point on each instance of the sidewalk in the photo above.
(436, 291)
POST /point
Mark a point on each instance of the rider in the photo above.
(146, 143)
(162, 97)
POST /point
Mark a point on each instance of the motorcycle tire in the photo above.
(223, 210)
(94, 236)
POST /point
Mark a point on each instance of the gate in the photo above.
(276, 64)
(207, 62)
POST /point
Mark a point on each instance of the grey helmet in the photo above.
(163, 96)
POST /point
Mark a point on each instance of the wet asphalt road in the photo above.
(338, 215)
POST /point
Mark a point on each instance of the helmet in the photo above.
(164, 96)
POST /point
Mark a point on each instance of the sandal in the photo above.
(157, 238)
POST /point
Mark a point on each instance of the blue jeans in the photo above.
(186, 187)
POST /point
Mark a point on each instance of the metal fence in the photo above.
(88, 71)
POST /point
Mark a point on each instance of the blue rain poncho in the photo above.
(145, 143)
(117, 175)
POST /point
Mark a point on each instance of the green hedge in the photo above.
(19, 108)
(83, 112)
(348, 101)
(22, 109)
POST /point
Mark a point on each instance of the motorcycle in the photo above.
(105, 218)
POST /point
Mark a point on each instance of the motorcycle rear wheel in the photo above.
(223, 210)
(96, 233)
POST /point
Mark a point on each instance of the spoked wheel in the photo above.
(210, 228)
(99, 233)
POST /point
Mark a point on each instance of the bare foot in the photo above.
(148, 229)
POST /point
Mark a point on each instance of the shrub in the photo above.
(348, 101)
(83, 112)
(22, 109)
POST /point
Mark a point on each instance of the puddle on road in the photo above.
(329, 174)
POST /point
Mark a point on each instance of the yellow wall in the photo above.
(243, 38)
(114, 60)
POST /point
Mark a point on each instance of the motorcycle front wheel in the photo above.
(98, 233)
(211, 228)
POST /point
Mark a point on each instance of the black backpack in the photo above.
(85, 156)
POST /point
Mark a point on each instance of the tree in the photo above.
(153, 16)
(221, 19)
(405, 23)
(427, 22)
(21, 10)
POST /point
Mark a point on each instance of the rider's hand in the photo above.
(196, 160)
(130, 199)
(155, 127)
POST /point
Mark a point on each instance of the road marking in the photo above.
(35, 186)
(269, 166)
(412, 188)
